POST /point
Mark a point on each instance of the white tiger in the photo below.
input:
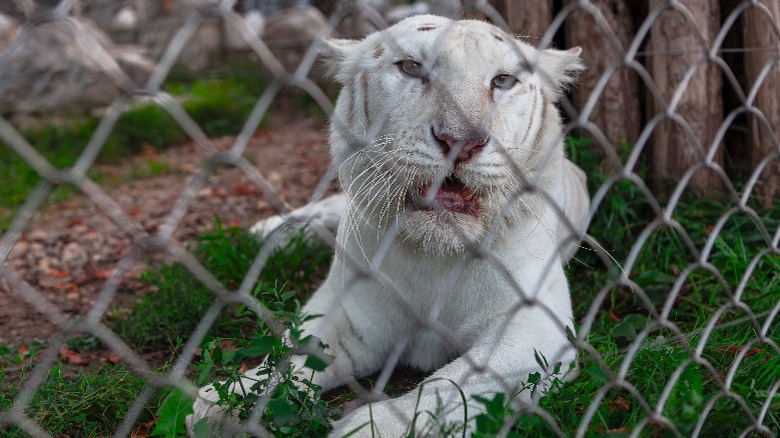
(450, 250)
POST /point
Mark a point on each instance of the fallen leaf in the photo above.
(69, 356)
(619, 404)
(246, 190)
(113, 358)
(67, 287)
(143, 431)
(149, 152)
(58, 273)
(103, 274)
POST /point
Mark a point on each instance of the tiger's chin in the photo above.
(442, 232)
(444, 220)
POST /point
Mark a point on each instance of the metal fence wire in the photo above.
(746, 296)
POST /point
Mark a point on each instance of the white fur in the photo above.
(472, 299)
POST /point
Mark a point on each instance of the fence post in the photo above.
(618, 109)
(762, 44)
(675, 47)
(525, 18)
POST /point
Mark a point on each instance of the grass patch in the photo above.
(161, 319)
(71, 402)
(625, 320)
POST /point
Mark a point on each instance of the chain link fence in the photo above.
(668, 345)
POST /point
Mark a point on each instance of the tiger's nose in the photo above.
(460, 148)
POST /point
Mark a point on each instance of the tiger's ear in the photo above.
(561, 67)
(340, 56)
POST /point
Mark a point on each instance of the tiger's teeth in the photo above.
(452, 195)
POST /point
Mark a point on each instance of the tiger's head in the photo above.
(442, 129)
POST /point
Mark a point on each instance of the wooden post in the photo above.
(618, 110)
(761, 45)
(675, 48)
(525, 18)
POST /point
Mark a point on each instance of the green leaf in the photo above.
(630, 326)
(171, 413)
(284, 412)
(315, 363)
(541, 360)
(597, 374)
(202, 428)
(227, 356)
(260, 346)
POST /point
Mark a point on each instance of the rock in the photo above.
(18, 8)
(207, 4)
(60, 63)
(37, 235)
(74, 256)
(135, 62)
(290, 32)
(9, 28)
(126, 18)
(20, 249)
(203, 46)
(255, 21)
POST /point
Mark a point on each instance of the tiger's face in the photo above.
(443, 127)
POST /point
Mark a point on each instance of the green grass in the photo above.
(623, 315)
(72, 402)
(159, 320)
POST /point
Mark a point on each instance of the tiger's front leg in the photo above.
(501, 363)
(351, 354)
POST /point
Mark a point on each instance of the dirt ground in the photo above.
(71, 247)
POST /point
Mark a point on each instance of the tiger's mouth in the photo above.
(452, 196)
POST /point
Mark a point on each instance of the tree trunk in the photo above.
(618, 109)
(525, 18)
(675, 49)
(760, 39)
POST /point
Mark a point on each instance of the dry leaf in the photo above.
(69, 356)
(58, 273)
(619, 404)
(113, 358)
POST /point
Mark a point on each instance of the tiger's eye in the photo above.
(503, 82)
(412, 68)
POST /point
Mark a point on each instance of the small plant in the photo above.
(294, 408)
